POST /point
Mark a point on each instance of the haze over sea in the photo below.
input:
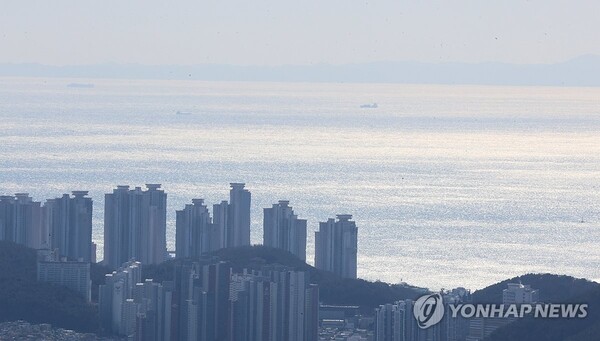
(449, 185)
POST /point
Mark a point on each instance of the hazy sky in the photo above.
(256, 32)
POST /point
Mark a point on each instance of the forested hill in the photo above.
(23, 298)
(553, 289)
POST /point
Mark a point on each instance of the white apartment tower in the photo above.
(518, 293)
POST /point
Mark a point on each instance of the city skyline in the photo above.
(195, 229)
(300, 171)
(218, 303)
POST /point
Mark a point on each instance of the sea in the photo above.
(449, 185)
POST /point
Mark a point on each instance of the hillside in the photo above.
(553, 289)
(23, 298)
(333, 290)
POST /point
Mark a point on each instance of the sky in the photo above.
(260, 32)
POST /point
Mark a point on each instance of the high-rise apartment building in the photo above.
(73, 275)
(336, 246)
(283, 230)
(195, 232)
(135, 309)
(239, 216)
(221, 222)
(118, 287)
(135, 225)
(230, 226)
(232, 218)
(396, 322)
(21, 221)
(311, 313)
(153, 302)
(203, 301)
(390, 322)
(273, 304)
(69, 222)
(63, 223)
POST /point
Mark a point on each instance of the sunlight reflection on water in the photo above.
(449, 185)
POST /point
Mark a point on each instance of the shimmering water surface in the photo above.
(449, 185)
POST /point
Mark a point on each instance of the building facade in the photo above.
(69, 222)
(153, 303)
(73, 275)
(118, 287)
(221, 221)
(396, 322)
(21, 221)
(135, 225)
(336, 246)
(195, 232)
(273, 304)
(238, 227)
(135, 309)
(283, 230)
(518, 293)
(204, 302)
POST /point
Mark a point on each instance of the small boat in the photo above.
(371, 106)
(80, 85)
(183, 113)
